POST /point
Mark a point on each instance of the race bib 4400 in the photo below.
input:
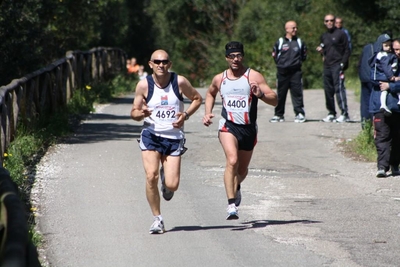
(236, 103)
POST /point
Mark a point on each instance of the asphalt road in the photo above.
(304, 202)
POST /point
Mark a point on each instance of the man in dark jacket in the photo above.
(387, 129)
(289, 52)
(364, 71)
(334, 48)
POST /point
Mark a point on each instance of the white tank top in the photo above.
(239, 104)
(165, 103)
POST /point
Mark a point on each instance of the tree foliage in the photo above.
(194, 32)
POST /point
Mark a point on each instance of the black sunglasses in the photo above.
(327, 20)
(233, 56)
(158, 61)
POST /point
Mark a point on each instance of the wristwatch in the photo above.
(186, 116)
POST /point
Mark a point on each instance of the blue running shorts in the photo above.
(165, 146)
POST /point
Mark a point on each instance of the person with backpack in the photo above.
(289, 52)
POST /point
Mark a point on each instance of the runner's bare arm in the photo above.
(210, 99)
(139, 108)
(191, 93)
(261, 89)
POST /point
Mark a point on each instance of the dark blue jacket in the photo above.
(383, 66)
(391, 100)
(364, 70)
(382, 63)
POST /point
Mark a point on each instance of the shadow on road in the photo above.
(265, 223)
(245, 225)
(199, 228)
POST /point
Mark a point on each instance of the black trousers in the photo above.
(293, 80)
(387, 139)
(334, 84)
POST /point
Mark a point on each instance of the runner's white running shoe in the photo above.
(157, 227)
(232, 211)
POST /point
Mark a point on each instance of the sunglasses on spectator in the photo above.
(158, 61)
(327, 20)
(233, 56)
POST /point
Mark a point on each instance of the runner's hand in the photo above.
(145, 110)
(255, 89)
(207, 119)
(180, 120)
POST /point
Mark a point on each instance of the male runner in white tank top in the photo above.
(159, 102)
(240, 88)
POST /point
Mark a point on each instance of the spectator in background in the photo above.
(334, 47)
(387, 129)
(384, 65)
(142, 73)
(289, 52)
(364, 71)
(339, 25)
(133, 68)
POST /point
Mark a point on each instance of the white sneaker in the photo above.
(381, 173)
(300, 118)
(157, 227)
(329, 118)
(277, 119)
(343, 118)
(232, 211)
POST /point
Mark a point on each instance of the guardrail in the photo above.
(50, 88)
(16, 249)
(40, 93)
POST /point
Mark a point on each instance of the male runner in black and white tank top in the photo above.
(240, 88)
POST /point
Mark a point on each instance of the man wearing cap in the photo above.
(240, 88)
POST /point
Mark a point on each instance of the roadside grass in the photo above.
(32, 141)
(363, 147)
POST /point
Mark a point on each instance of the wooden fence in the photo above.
(50, 88)
(41, 93)
(16, 248)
